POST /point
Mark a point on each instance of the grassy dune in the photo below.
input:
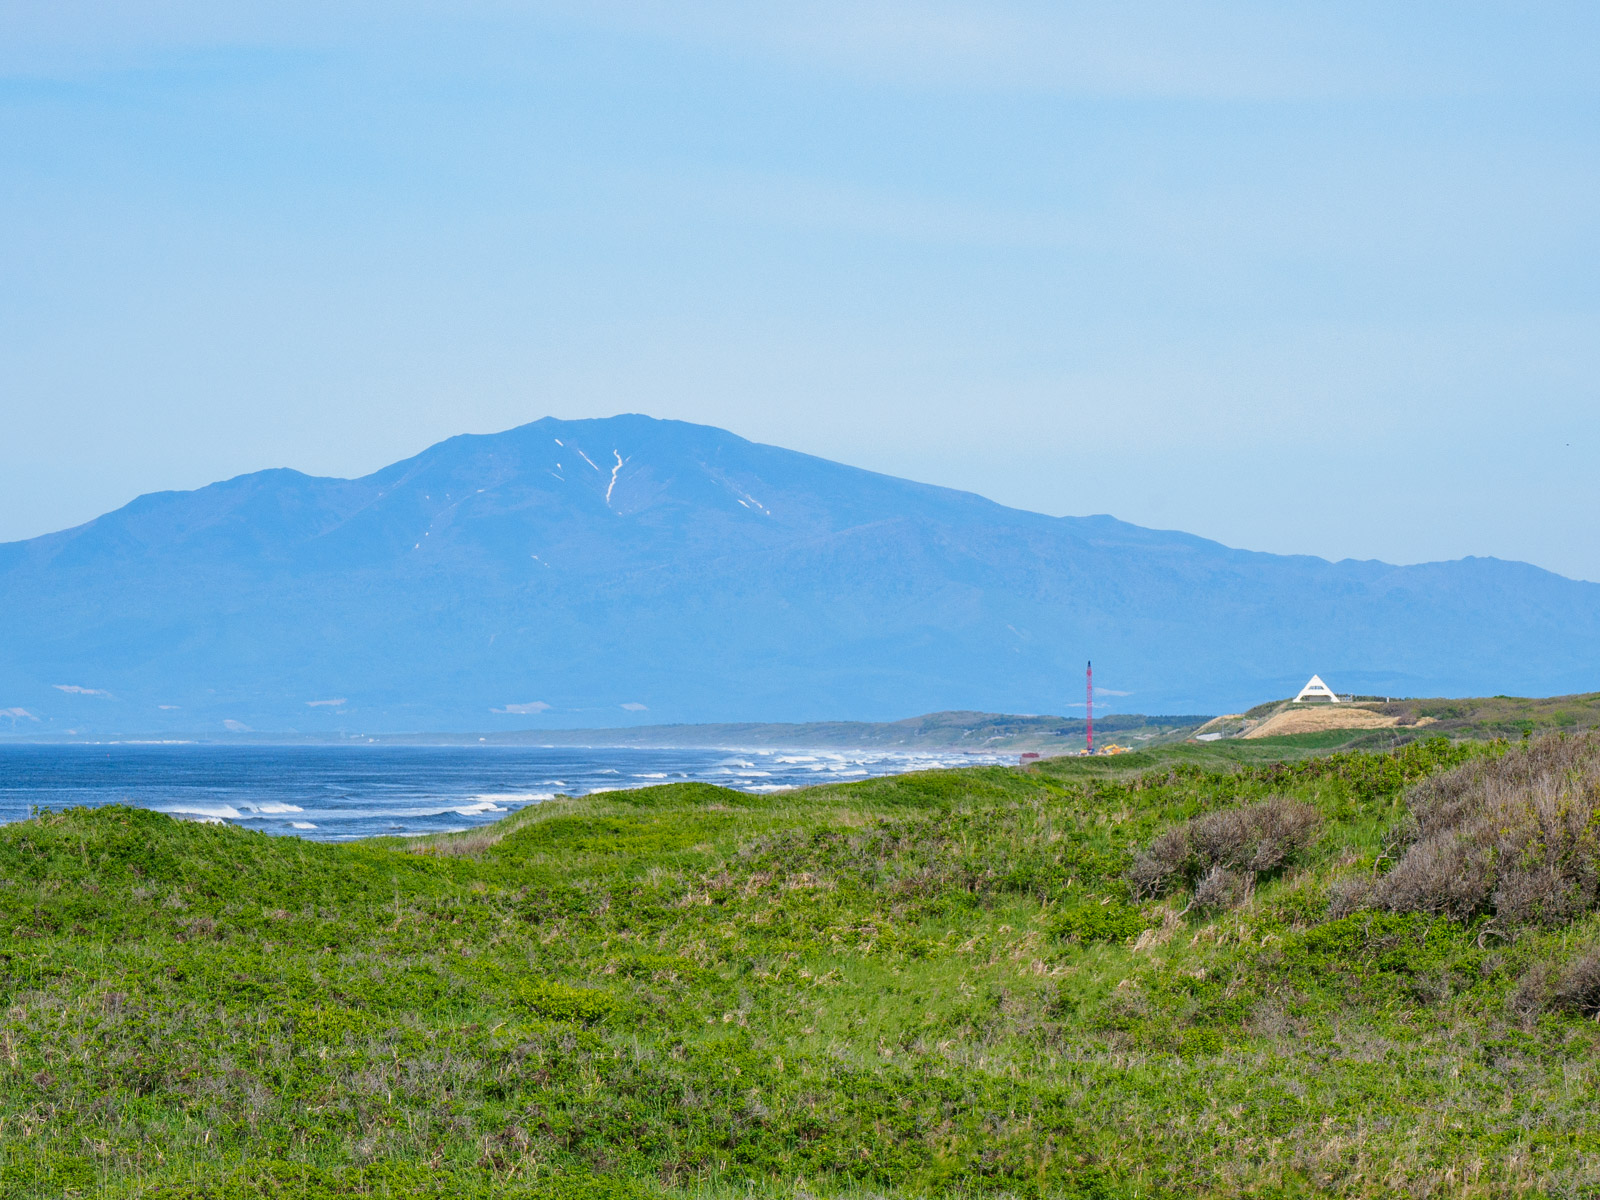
(932, 984)
(1478, 717)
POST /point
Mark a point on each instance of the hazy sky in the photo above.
(1314, 278)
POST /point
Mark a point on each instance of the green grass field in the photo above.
(927, 985)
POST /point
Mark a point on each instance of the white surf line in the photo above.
(588, 460)
(614, 471)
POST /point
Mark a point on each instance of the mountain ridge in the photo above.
(576, 568)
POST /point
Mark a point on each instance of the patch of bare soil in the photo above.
(1313, 718)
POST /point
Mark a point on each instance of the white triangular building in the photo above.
(1315, 689)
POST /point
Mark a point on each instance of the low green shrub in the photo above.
(559, 1002)
(1112, 921)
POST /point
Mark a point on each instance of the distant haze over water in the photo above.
(331, 793)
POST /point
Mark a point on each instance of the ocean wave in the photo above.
(473, 806)
(652, 775)
(301, 825)
(228, 812)
(211, 812)
(769, 787)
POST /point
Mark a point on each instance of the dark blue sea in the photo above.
(332, 793)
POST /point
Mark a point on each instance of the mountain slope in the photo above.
(566, 573)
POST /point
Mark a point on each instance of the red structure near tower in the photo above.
(1088, 695)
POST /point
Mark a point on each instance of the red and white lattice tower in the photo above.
(1088, 695)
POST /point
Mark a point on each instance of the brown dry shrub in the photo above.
(1221, 889)
(1241, 843)
(1222, 839)
(1542, 895)
(1283, 828)
(1348, 895)
(1531, 996)
(1577, 989)
(1443, 876)
(1517, 835)
(1165, 860)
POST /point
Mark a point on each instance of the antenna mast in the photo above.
(1088, 693)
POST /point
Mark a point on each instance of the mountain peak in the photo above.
(589, 572)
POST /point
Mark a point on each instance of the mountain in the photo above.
(582, 573)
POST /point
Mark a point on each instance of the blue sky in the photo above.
(1301, 278)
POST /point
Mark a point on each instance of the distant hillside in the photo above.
(1373, 722)
(976, 733)
(592, 573)
(969, 731)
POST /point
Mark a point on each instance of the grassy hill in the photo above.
(1402, 720)
(1200, 970)
(1504, 716)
